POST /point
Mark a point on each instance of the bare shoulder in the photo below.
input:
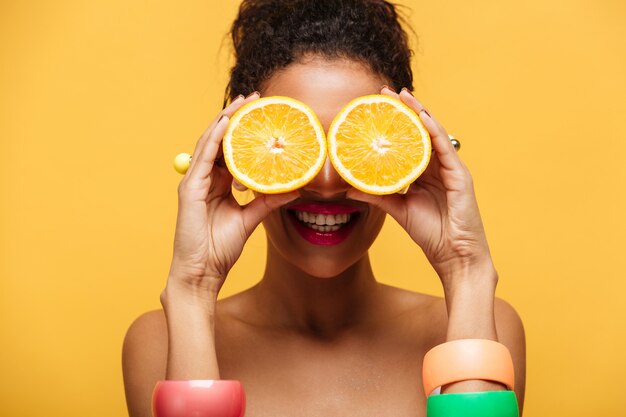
(144, 354)
(420, 318)
(509, 325)
(144, 360)
(432, 309)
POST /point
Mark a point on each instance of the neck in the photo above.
(291, 298)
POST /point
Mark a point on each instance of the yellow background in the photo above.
(96, 98)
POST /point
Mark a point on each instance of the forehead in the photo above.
(324, 85)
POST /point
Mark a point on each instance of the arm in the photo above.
(191, 335)
(440, 213)
(211, 230)
(476, 313)
(471, 316)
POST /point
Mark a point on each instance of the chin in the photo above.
(319, 262)
(324, 270)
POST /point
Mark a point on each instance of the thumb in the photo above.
(391, 203)
(258, 209)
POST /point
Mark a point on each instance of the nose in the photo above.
(327, 184)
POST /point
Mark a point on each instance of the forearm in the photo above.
(470, 305)
(191, 335)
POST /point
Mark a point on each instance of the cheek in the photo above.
(272, 222)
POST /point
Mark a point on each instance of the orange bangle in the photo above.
(464, 359)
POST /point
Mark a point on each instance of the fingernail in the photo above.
(408, 91)
(221, 117)
(388, 88)
(240, 96)
(253, 93)
(426, 111)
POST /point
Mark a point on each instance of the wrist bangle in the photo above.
(465, 359)
(198, 398)
(473, 404)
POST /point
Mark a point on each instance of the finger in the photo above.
(208, 154)
(432, 169)
(259, 208)
(388, 91)
(443, 147)
(448, 156)
(229, 110)
(393, 204)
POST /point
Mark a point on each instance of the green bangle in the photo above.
(473, 404)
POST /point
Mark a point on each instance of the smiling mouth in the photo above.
(323, 223)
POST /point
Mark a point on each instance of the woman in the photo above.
(318, 335)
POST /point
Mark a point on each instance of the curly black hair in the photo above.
(268, 35)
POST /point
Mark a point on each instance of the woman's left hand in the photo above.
(439, 210)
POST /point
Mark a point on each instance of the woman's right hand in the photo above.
(211, 227)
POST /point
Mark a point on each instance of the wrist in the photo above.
(191, 335)
(194, 279)
(181, 295)
(470, 299)
(471, 316)
(464, 275)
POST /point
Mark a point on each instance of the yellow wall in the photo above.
(96, 98)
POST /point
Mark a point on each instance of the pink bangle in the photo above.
(198, 398)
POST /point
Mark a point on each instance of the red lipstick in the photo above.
(323, 238)
(326, 237)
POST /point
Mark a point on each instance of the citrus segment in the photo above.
(274, 145)
(378, 144)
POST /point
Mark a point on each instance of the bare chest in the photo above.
(293, 377)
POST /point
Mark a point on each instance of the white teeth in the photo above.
(323, 222)
(324, 228)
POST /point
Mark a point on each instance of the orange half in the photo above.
(378, 144)
(274, 145)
